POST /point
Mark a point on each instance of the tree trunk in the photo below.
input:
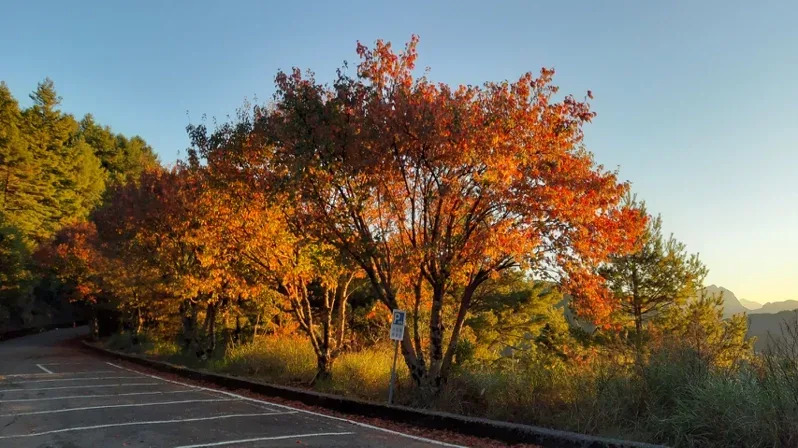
(255, 328)
(324, 364)
(188, 311)
(465, 304)
(94, 325)
(139, 320)
(436, 331)
(210, 330)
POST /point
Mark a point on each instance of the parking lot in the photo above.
(55, 395)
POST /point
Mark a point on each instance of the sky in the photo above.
(697, 101)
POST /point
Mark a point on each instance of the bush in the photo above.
(285, 359)
(366, 374)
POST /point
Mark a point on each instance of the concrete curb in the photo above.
(13, 334)
(474, 426)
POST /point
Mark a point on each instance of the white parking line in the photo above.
(67, 363)
(81, 379)
(46, 370)
(242, 397)
(37, 375)
(77, 387)
(131, 405)
(150, 422)
(17, 400)
(259, 439)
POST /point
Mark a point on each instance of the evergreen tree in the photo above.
(15, 275)
(71, 179)
(700, 326)
(53, 172)
(515, 316)
(658, 276)
(20, 176)
(122, 158)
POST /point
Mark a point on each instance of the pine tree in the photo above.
(20, 181)
(69, 180)
(122, 158)
(700, 326)
(658, 276)
(15, 275)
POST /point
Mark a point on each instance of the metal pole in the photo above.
(393, 372)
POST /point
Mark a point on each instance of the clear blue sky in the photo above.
(697, 101)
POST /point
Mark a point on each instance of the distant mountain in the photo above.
(731, 304)
(767, 328)
(765, 322)
(777, 307)
(750, 304)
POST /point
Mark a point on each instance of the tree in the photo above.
(53, 172)
(433, 190)
(21, 181)
(123, 159)
(700, 327)
(313, 279)
(73, 258)
(69, 179)
(15, 272)
(514, 316)
(659, 275)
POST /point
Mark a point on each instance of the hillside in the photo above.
(777, 307)
(750, 304)
(767, 327)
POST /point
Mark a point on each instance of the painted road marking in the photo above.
(132, 405)
(151, 422)
(46, 370)
(68, 363)
(17, 400)
(282, 406)
(81, 379)
(37, 375)
(259, 439)
(78, 387)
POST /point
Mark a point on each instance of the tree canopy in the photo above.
(54, 171)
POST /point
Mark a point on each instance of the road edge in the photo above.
(473, 426)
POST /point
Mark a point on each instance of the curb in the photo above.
(13, 334)
(473, 426)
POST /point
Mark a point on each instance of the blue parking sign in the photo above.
(399, 317)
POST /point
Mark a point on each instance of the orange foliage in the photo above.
(433, 189)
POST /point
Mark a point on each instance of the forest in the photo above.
(538, 288)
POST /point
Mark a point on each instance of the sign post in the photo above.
(397, 333)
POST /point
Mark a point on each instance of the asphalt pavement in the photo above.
(54, 394)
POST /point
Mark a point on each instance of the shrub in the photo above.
(285, 359)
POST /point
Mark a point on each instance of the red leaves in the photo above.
(421, 180)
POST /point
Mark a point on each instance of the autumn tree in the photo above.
(314, 280)
(659, 275)
(73, 258)
(433, 190)
(168, 215)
